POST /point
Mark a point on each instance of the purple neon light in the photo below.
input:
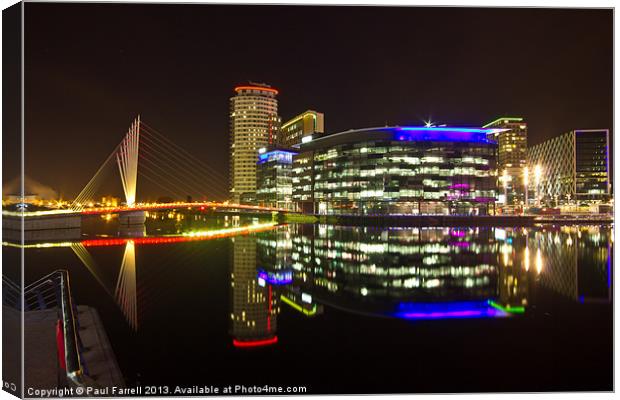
(440, 310)
(442, 134)
(457, 233)
(459, 186)
(491, 312)
(484, 199)
(446, 129)
(609, 253)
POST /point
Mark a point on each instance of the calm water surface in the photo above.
(348, 309)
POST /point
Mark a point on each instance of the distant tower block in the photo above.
(254, 123)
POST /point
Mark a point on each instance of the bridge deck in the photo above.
(146, 207)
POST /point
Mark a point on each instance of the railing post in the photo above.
(72, 353)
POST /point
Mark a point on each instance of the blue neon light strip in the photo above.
(279, 155)
(447, 129)
(443, 134)
(276, 278)
(446, 310)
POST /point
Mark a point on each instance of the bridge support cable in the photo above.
(184, 165)
(178, 162)
(91, 187)
(192, 159)
(185, 178)
(126, 293)
(178, 186)
(175, 165)
(154, 181)
(83, 254)
(88, 191)
(162, 162)
(127, 160)
(173, 169)
(184, 155)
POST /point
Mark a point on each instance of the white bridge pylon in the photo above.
(126, 155)
(127, 161)
(162, 162)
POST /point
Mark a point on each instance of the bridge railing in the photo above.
(53, 291)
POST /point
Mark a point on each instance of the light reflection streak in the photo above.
(126, 293)
(186, 237)
(539, 263)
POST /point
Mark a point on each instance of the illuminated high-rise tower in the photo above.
(254, 124)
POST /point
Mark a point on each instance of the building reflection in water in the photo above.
(412, 273)
(275, 265)
(574, 261)
(254, 304)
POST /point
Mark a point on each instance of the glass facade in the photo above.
(575, 167)
(397, 170)
(273, 178)
(591, 164)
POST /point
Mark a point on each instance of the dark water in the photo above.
(350, 309)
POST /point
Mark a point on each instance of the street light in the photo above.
(537, 175)
(505, 184)
(526, 182)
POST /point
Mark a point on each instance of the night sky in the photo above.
(91, 68)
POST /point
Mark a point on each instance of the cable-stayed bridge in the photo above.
(146, 153)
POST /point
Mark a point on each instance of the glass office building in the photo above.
(397, 170)
(511, 158)
(575, 167)
(293, 131)
(273, 177)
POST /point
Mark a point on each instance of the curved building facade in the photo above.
(397, 170)
(254, 124)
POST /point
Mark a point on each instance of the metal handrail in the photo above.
(49, 278)
(73, 361)
(10, 283)
(59, 280)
